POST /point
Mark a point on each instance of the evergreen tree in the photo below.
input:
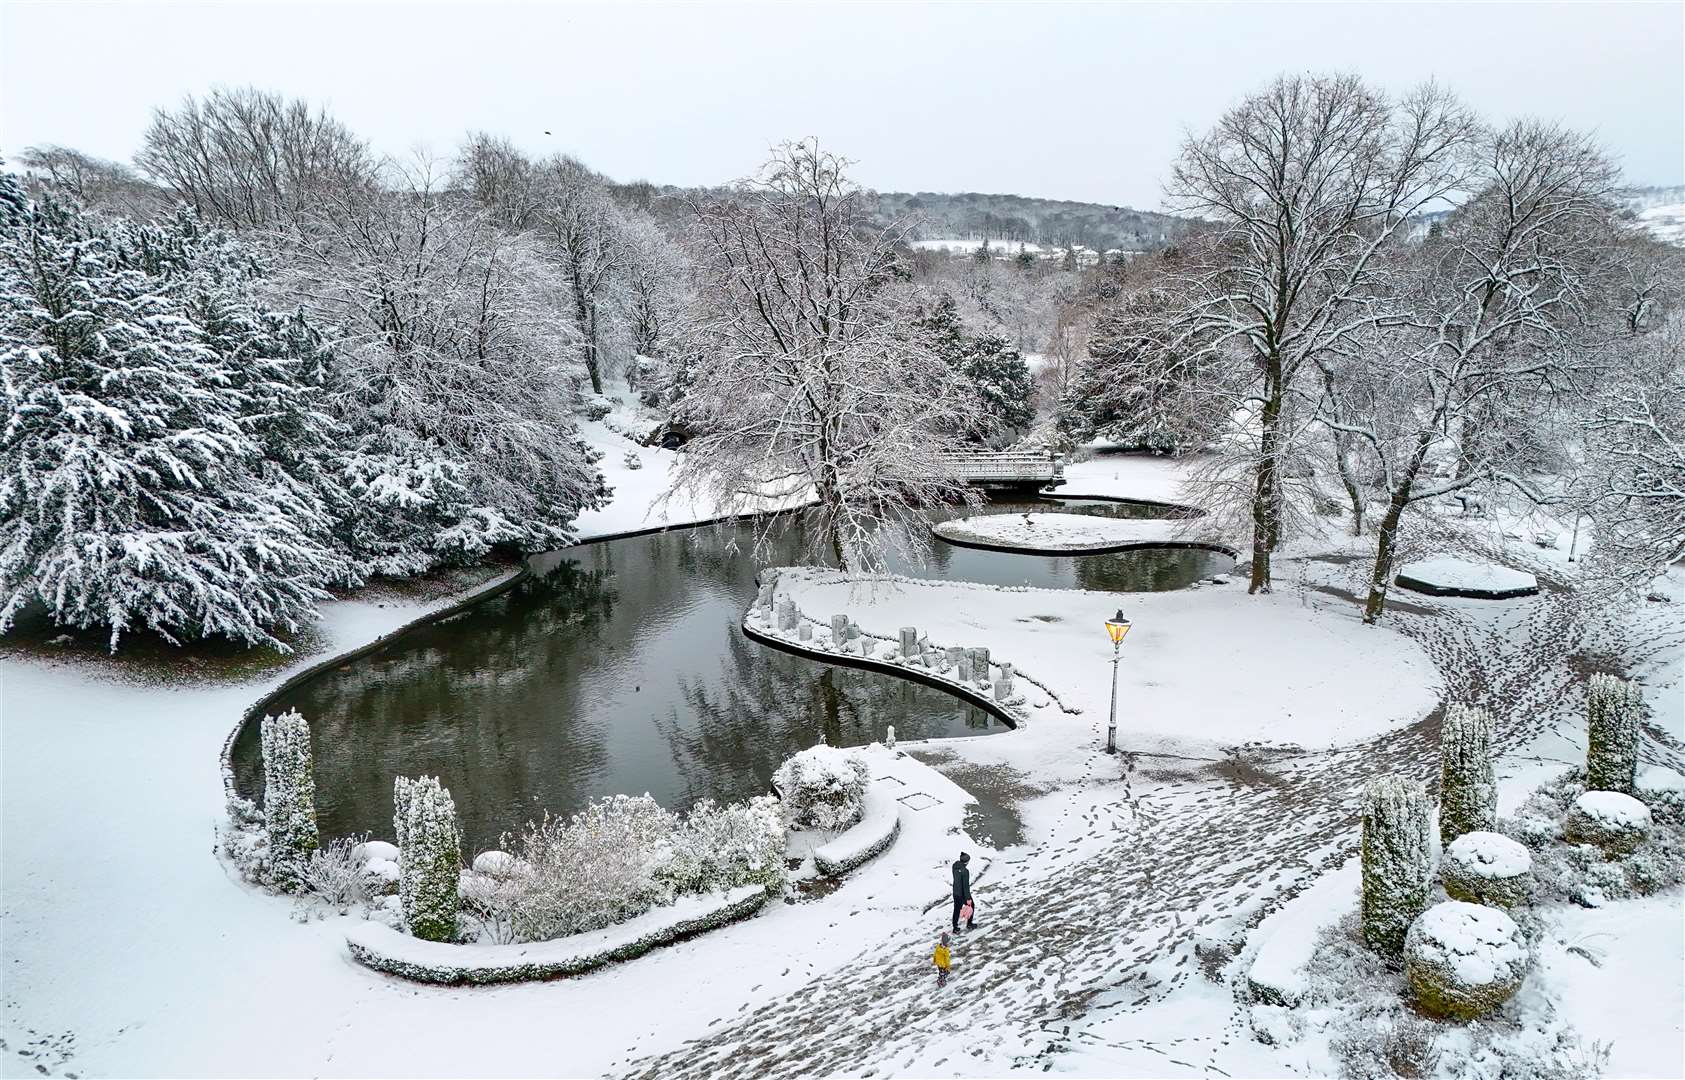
(1025, 260)
(991, 362)
(289, 797)
(133, 488)
(1468, 791)
(983, 254)
(1397, 861)
(429, 857)
(1614, 709)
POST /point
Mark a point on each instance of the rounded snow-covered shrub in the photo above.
(380, 877)
(822, 787)
(1464, 960)
(1487, 868)
(289, 798)
(1468, 791)
(1614, 709)
(495, 863)
(1612, 821)
(375, 850)
(1397, 860)
(430, 856)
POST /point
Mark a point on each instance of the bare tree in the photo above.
(1490, 318)
(248, 158)
(93, 182)
(586, 231)
(1309, 182)
(654, 299)
(811, 375)
(451, 335)
(1634, 483)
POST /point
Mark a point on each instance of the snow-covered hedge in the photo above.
(1614, 710)
(1464, 960)
(1397, 860)
(1468, 790)
(822, 787)
(384, 949)
(289, 798)
(1487, 868)
(724, 847)
(879, 824)
(1614, 822)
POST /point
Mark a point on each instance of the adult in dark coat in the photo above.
(962, 890)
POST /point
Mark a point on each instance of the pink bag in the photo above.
(965, 911)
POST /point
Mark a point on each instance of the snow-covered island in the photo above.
(1064, 532)
(1448, 576)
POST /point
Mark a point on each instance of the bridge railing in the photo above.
(1006, 465)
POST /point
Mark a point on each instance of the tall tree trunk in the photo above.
(1387, 536)
(1354, 493)
(587, 330)
(1266, 498)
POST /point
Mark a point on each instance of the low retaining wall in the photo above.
(866, 839)
(1405, 581)
(382, 948)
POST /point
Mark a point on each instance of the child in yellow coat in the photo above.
(942, 959)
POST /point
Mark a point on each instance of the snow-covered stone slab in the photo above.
(384, 949)
(1053, 532)
(1447, 576)
(877, 828)
(1288, 937)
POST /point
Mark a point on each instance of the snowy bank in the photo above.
(1462, 577)
(875, 831)
(380, 947)
(1056, 533)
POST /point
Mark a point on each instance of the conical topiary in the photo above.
(1468, 791)
(289, 797)
(1614, 709)
(1397, 861)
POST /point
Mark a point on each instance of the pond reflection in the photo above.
(620, 667)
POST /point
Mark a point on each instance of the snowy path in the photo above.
(1100, 928)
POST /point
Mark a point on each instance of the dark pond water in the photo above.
(621, 668)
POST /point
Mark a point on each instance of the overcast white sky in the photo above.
(1081, 101)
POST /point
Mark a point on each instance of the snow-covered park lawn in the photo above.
(1201, 669)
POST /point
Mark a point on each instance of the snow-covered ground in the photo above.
(1059, 532)
(1202, 669)
(1104, 937)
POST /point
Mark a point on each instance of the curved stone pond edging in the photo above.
(496, 587)
(825, 656)
(489, 591)
(382, 948)
(1428, 588)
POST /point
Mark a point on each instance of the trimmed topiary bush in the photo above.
(1614, 709)
(1464, 960)
(1487, 868)
(821, 787)
(1614, 822)
(429, 857)
(1468, 791)
(1397, 861)
(289, 799)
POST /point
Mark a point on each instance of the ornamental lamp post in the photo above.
(1116, 627)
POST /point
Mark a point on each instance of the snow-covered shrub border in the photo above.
(876, 830)
(384, 949)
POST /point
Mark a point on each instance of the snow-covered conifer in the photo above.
(1614, 709)
(134, 486)
(1397, 861)
(430, 856)
(289, 798)
(1468, 791)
